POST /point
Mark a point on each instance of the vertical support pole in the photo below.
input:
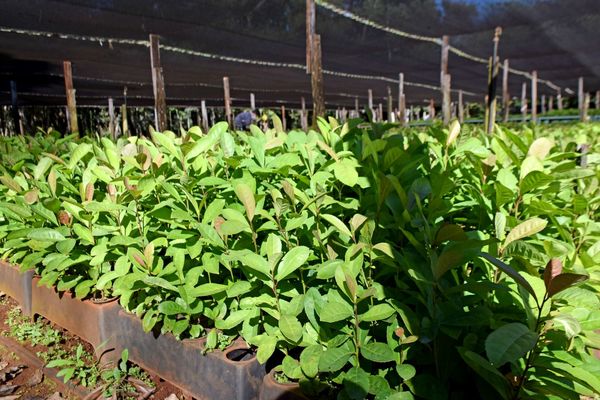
(370, 103)
(111, 119)
(534, 97)
(227, 99)
(390, 105)
(310, 33)
(543, 104)
(401, 100)
(252, 102)
(559, 102)
(304, 116)
(204, 112)
(586, 106)
(380, 113)
(356, 108)
(581, 99)
(317, 80)
(431, 109)
(524, 101)
(70, 91)
(551, 103)
(158, 85)
(505, 94)
(446, 100)
(445, 81)
(461, 107)
(597, 100)
(124, 121)
(283, 123)
(492, 82)
(15, 108)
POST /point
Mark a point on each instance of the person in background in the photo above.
(243, 120)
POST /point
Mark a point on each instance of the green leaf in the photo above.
(10, 183)
(309, 360)
(345, 172)
(377, 352)
(234, 319)
(245, 195)
(80, 151)
(42, 167)
(356, 383)
(377, 313)
(45, 234)
(266, 349)
(335, 311)
(487, 371)
(290, 328)
(83, 233)
(293, 260)
(65, 246)
(166, 142)
(334, 359)
(338, 224)
(227, 144)
(524, 229)
(207, 289)
(406, 371)
(564, 281)
(511, 272)
(509, 343)
(160, 282)
(254, 261)
(170, 308)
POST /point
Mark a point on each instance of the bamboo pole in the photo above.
(124, 120)
(310, 33)
(390, 105)
(581, 99)
(370, 103)
(401, 100)
(356, 107)
(524, 101)
(158, 85)
(204, 116)
(597, 100)
(559, 102)
(317, 80)
(534, 80)
(551, 103)
(227, 100)
(111, 119)
(461, 107)
(303, 115)
(283, 122)
(252, 102)
(543, 104)
(505, 94)
(71, 103)
(431, 109)
(492, 82)
(445, 80)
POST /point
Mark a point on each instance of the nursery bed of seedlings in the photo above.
(357, 260)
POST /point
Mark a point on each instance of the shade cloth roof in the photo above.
(555, 37)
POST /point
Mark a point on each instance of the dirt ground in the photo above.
(23, 376)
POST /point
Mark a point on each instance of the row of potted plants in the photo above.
(359, 259)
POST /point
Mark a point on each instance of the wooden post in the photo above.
(445, 81)
(283, 123)
(204, 116)
(446, 99)
(559, 103)
(252, 102)
(124, 121)
(581, 99)
(597, 100)
(550, 103)
(304, 116)
(380, 113)
(356, 108)
(534, 97)
(15, 108)
(227, 99)
(310, 33)
(505, 94)
(158, 85)
(390, 105)
(317, 80)
(492, 82)
(461, 107)
(431, 110)
(370, 103)
(524, 101)
(71, 104)
(586, 106)
(401, 100)
(543, 104)
(111, 119)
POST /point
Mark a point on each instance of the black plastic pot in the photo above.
(16, 285)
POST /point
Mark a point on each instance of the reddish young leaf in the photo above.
(564, 281)
(553, 268)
